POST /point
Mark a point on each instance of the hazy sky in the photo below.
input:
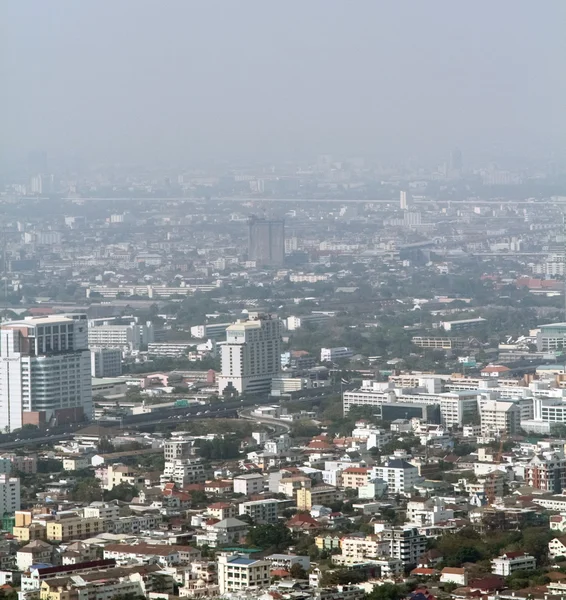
(175, 79)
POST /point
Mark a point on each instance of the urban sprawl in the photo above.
(326, 381)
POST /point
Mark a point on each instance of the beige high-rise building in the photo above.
(251, 355)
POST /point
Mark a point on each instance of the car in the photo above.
(199, 413)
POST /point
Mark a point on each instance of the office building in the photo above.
(266, 241)
(36, 184)
(405, 200)
(551, 337)
(405, 544)
(462, 324)
(439, 343)
(261, 512)
(399, 475)
(287, 385)
(106, 362)
(498, 417)
(126, 334)
(249, 483)
(456, 408)
(251, 355)
(294, 323)
(210, 331)
(511, 562)
(239, 573)
(332, 354)
(44, 372)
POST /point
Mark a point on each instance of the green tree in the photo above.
(276, 537)
(297, 572)
(387, 591)
(219, 448)
(87, 490)
(124, 492)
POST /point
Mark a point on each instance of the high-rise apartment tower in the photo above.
(266, 241)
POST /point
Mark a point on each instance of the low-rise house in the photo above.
(118, 474)
(321, 494)
(136, 581)
(302, 522)
(29, 532)
(359, 547)
(287, 561)
(135, 523)
(36, 552)
(557, 547)
(164, 555)
(219, 487)
(222, 510)
(228, 531)
(78, 552)
(424, 572)
(76, 463)
(249, 483)
(457, 575)
(31, 579)
(355, 477)
(328, 541)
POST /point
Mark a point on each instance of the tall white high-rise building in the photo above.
(405, 200)
(44, 371)
(36, 184)
(251, 354)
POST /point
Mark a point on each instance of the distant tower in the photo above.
(36, 184)
(405, 200)
(456, 160)
(266, 241)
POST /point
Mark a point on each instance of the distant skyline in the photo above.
(146, 81)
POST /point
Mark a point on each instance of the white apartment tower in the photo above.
(44, 371)
(405, 200)
(251, 354)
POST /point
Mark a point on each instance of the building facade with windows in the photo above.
(45, 371)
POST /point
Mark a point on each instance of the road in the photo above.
(276, 424)
(171, 416)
